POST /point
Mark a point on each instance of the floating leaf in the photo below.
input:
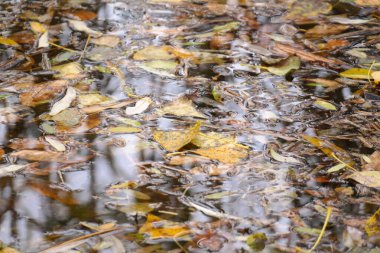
(140, 106)
(372, 225)
(286, 66)
(324, 105)
(181, 107)
(175, 140)
(58, 145)
(356, 73)
(158, 228)
(212, 139)
(285, 159)
(65, 102)
(229, 153)
(367, 178)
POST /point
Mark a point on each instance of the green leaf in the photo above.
(286, 66)
(324, 105)
(336, 168)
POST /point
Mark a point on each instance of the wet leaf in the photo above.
(175, 140)
(376, 76)
(356, 73)
(69, 70)
(372, 225)
(81, 15)
(57, 145)
(158, 228)
(43, 40)
(308, 9)
(154, 53)
(285, 67)
(219, 195)
(38, 27)
(8, 42)
(48, 156)
(212, 139)
(325, 105)
(336, 168)
(106, 40)
(136, 208)
(307, 231)
(285, 159)
(229, 153)
(65, 102)
(42, 93)
(140, 106)
(367, 178)
(69, 117)
(126, 194)
(92, 99)
(65, 197)
(257, 241)
(181, 107)
(121, 130)
(368, 2)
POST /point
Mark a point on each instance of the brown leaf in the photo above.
(375, 162)
(320, 31)
(229, 153)
(65, 197)
(49, 156)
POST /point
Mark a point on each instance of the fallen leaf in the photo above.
(140, 106)
(104, 106)
(56, 144)
(65, 102)
(82, 27)
(229, 153)
(323, 30)
(356, 73)
(69, 117)
(70, 70)
(158, 228)
(92, 99)
(106, 40)
(42, 93)
(374, 163)
(9, 169)
(37, 28)
(48, 156)
(376, 76)
(83, 15)
(43, 40)
(154, 53)
(372, 225)
(368, 2)
(308, 9)
(65, 197)
(175, 140)
(8, 42)
(120, 130)
(324, 105)
(212, 139)
(285, 159)
(181, 107)
(286, 66)
(367, 178)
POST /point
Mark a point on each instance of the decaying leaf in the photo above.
(8, 42)
(64, 103)
(70, 70)
(158, 228)
(357, 73)
(8, 169)
(308, 9)
(82, 27)
(181, 107)
(175, 140)
(367, 178)
(69, 117)
(42, 93)
(57, 145)
(92, 99)
(229, 153)
(120, 130)
(48, 156)
(106, 40)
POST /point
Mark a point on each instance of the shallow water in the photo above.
(48, 201)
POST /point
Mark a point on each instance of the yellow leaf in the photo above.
(368, 2)
(174, 140)
(229, 153)
(154, 53)
(325, 105)
(158, 228)
(308, 9)
(372, 225)
(182, 107)
(37, 27)
(8, 42)
(121, 130)
(212, 139)
(356, 73)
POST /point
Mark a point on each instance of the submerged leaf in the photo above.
(229, 153)
(154, 53)
(372, 225)
(175, 140)
(58, 145)
(212, 139)
(292, 63)
(181, 107)
(140, 106)
(285, 159)
(8, 42)
(92, 99)
(325, 105)
(356, 73)
(121, 130)
(68, 117)
(158, 228)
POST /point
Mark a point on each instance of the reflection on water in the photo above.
(44, 204)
